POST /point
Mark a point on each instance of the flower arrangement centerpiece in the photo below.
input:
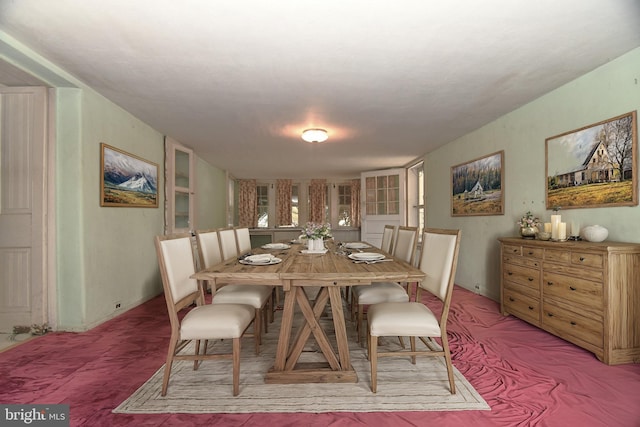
(528, 225)
(315, 231)
(315, 234)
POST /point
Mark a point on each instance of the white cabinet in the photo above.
(180, 188)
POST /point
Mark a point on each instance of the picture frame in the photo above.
(594, 166)
(477, 186)
(127, 180)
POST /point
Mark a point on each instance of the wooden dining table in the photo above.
(330, 272)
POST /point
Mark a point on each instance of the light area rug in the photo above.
(402, 386)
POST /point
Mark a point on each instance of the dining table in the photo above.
(296, 269)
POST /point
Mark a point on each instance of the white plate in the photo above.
(366, 256)
(306, 251)
(276, 246)
(357, 245)
(265, 262)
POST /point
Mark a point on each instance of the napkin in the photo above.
(259, 258)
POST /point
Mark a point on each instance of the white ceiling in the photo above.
(238, 81)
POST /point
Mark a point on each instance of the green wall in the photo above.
(606, 92)
(104, 255)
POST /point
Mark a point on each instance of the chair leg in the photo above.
(196, 362)
(257, 329)
(167, 366)
(236, 366)
(373, 360)
(401, 340)
(447, 359)
(359, 318)
(413, 348)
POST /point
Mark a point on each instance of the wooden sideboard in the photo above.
(586, 293)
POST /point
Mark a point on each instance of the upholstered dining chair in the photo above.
(243, 240)
(204, 322)
(228, 245)
(257, 296)
(439, 260)
(387, 238)
(404, 248)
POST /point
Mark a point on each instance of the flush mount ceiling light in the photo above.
(315, 135)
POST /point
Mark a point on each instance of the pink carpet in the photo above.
(528, 377)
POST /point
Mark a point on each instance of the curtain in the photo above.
(247, 203)
(283, 202)
(317, 200)
(355, 203)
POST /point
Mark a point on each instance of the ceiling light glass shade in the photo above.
(315, 135)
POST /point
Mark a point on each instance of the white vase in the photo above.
(594, 233)
(315, 245)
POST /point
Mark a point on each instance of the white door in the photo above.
(383, 199)
(23, 284)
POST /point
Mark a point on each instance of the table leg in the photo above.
(285, 329)
(340, 327)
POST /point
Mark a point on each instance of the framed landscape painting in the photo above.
(478, 186)
(127, 180)
(594, 166)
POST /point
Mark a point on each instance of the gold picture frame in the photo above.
(127, 180)
(477, 187)
(594, 166)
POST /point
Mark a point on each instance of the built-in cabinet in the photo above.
(586, 293)
(180, 188)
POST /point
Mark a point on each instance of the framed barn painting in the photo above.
(127, 180)
(478, 186)
(595, 166)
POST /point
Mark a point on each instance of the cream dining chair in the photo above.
(204, 322)
(404, 248)
(439, 260)
(243, 240)
(388, 233)
(257, 296)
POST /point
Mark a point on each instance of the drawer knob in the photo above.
(582, 258)
(509, 273)
(511, 299)
(550, 314)
(530, 308)
(530, 253)
(572, 288)
(573, 323)
(549, 283)
(531, 279)
(515, 251)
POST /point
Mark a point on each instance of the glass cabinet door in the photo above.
(179, 212)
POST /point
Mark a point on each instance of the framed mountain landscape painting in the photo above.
(594, 166)
(127, 180)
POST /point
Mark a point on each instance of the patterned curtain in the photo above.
(355, 203)
(247, 203)
(283, 202)
(317, 200)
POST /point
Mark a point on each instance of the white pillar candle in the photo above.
(555, 221)
(547, 227)
(562, 231)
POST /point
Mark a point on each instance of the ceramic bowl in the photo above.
(543, 235)
(594, 233)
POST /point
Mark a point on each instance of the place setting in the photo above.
(260, 259)
(368, 257)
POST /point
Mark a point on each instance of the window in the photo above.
(383, 195)
(344, 205)
(294, 205)
(263, 205)
(415, 196)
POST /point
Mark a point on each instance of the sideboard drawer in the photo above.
(526, 277)
(530, 252)
(526, 307)
(586, 259)
(570, 323)
(572, 289)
